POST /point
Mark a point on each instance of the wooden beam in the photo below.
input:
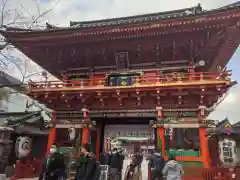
(140, 65)
(179, 93)
(180, 125)
(174, 49)
(191, 50)
(174, 62)
(66, 126)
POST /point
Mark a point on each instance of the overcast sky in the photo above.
(78, 10)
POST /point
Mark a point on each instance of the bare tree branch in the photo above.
(46, 12)
(38, 9)
(2, 46)
(19, 13)
(19, 16)
(14, 61)
(2, 11)
(32, 17)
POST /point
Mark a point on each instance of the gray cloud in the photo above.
(94, 9)
(229, 108)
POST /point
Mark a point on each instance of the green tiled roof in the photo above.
(131, 20)
(145, 18)
(138, 18)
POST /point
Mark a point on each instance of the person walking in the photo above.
(87, 166)
(156, 163)
(173, 170)
(115, 165)
(133, 171)
(54, 167)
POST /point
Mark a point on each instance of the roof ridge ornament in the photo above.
(199, 8)
(195, 10)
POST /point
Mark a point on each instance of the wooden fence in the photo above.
(213, 173)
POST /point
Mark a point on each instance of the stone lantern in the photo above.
(5, 147)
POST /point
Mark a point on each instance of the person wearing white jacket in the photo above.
(173, 170)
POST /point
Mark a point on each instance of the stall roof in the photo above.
(225, 127)
(24, 122)
(237, 124)
(9, 81)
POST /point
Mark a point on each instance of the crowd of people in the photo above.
(87, 168)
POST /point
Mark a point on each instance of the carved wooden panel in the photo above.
(96, 56)
(110, 101)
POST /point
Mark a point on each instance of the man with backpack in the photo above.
(156, 163)
(88, 168)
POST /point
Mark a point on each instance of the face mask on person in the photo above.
(53, 150)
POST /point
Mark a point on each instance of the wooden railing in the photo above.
(213, 173)
(145, 80)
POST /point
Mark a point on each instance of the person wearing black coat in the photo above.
(86, 169)
(116, 163)
(156, 163)
(54, 166)
(105, 158)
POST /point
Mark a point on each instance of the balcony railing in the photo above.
(135, 81)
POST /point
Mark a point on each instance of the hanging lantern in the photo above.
(159, 111)
(202, 110)
(72, 133)
(85, 112)
(227, 152)
(23, 146)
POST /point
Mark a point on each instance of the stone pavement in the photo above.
(26, 178)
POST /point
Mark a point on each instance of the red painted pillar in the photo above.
(203, 139)
(98, 145)
(85, 133)
(52, 133)
(161, 130)
(162, 137)
(204, 147)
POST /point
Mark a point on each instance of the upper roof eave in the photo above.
(138, 19)
(174, 13)
(186, 12)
